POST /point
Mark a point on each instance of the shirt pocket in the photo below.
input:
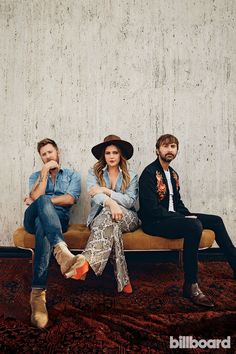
(64, 184)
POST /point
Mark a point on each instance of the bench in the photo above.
(77, 235)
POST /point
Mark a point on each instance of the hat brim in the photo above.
(126, 148)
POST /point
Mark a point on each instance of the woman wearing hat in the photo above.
(113, 190)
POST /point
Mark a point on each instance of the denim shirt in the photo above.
(67, 182)
(126, 199)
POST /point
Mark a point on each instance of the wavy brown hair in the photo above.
(167, 139)
(98, 169)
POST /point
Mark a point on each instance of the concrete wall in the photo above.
(76, 71)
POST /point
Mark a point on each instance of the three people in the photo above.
(163, 213)
(53, 191)
(113, 189)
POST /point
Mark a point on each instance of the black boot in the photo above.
(194, 293)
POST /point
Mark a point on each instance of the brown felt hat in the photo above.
(126, 148)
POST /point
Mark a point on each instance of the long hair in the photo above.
(98, 170)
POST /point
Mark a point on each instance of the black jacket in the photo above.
(154, 194)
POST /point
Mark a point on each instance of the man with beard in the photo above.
(163, 213)
(53, 191)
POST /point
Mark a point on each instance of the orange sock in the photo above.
(127, 289)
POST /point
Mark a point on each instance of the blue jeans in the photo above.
(48, 224)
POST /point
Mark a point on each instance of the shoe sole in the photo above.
(196, 303)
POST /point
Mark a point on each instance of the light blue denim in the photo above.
(48, 221)
(67, 182)
(126, 199)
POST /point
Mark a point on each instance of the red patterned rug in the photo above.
(91, 317)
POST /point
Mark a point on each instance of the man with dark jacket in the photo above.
(163, 213)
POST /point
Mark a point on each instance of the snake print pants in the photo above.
(105, 242)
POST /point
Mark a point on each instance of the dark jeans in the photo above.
(191, 230)
(47, 223)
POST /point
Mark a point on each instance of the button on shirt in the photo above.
(67, 182)
(126, 199)
(171, 204)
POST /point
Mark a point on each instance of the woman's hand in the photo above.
(98, 190)
(116, 211)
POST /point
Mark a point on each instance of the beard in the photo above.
(167, 157)
(57, 160)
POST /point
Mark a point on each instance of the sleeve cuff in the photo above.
(104, 201)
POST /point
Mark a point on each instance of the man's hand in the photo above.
(50, 165)
(28, 200)
(98, 190)
(116, 211)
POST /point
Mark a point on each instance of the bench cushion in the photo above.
(77, 235)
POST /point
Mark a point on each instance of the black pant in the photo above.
(191, 230)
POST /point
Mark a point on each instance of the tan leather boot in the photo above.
(71, 266)
(39, 314)
(63, 256)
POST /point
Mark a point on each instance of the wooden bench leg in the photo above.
(32, 257)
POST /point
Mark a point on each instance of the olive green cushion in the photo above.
(77, 236)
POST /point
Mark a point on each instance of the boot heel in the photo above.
(84, 276)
